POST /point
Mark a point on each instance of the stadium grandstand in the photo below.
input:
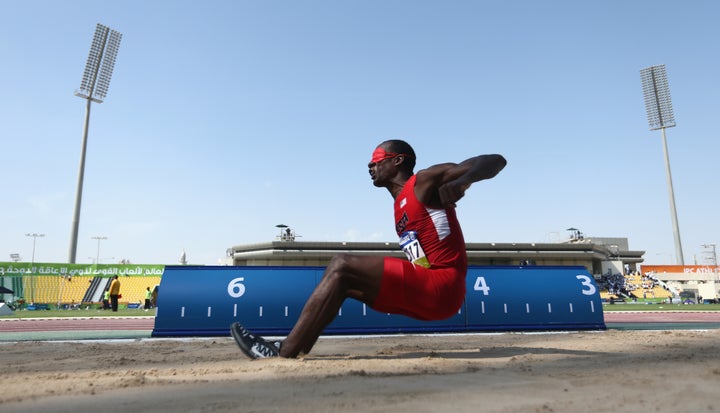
(69, 292)
(75, 286)
(616, 268)
(633, 286)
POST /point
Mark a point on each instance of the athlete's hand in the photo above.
(451, 192)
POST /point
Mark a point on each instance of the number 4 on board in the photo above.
(480, 285)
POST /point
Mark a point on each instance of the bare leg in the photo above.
(347, 276)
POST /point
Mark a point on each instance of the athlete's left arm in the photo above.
(444, 184)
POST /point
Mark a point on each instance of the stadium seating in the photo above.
(54, 289)
(70, 291)
(645, 287)
(633, 285)
(133, 289)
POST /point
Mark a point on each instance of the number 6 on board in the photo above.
(236, 288)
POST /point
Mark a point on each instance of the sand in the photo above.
(606, 371)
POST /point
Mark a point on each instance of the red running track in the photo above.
(641, 317)
(77, 324)
(147, 323)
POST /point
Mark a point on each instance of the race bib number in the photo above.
(410, 245)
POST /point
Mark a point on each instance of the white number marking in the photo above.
(586, 281)
(236, 288)
(480, 285)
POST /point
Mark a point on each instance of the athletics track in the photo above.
(81, 328)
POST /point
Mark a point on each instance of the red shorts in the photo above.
(419, 292)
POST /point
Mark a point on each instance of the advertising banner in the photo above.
(65, 270)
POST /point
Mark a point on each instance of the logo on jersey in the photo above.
(401, 224)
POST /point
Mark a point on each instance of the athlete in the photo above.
(429, 285)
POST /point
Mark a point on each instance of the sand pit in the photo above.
(609, 371)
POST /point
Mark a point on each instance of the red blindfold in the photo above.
(379, 154)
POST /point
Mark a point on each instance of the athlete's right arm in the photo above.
(441, 186)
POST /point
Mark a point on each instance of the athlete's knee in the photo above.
(338, 268)
(340, 263)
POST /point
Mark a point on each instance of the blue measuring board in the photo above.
(205, 300)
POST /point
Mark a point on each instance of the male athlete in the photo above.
(429, 285)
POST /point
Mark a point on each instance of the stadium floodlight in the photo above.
(33, 280)
(657, 97)
(714, 257)
(98, 238)
(93, 88)
(660, 116)
(34, 237)
(100, 64)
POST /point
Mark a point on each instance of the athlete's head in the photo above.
(395, 149)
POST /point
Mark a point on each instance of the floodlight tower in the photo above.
(714, 257)
(33, 280)
(93, 88)
(98, 238)
(660, 116)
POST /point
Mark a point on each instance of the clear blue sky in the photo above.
(226, 118)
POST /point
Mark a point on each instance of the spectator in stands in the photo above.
(148, 298)
(114, 293)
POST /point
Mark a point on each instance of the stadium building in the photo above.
(606, 258)
(595, 254)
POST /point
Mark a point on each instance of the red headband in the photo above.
(379, 154)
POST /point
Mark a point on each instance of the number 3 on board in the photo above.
(586, 282)
(480, 285)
